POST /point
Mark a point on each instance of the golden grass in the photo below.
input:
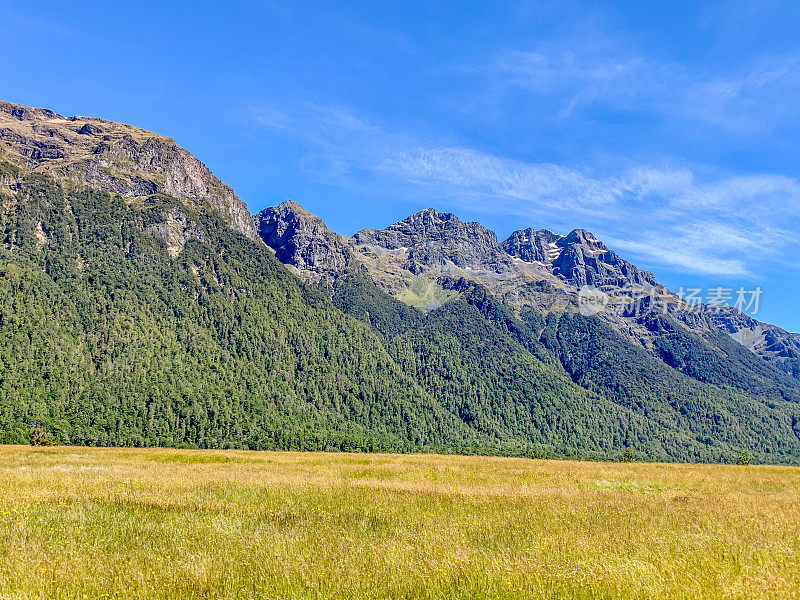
(124, 523)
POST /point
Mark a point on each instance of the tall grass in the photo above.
(123, 523)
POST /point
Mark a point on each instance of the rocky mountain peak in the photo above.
(303, 241)
(275, 222)
(435, 239)
(578, 257)
(418, 258)
(422, 226)
(296, 208)
(426, 221)
(585, 260)
(584, 238)
(533, 245)
(26, 113)
(116, 158)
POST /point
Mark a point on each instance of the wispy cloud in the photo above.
(751, 98)
(37, 23)
(720, 224)
(577, 81)
(724, 226)
(552, 186)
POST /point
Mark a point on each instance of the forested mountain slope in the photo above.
(106, 339)
(482, 325)
(137, 307)
(570, 383)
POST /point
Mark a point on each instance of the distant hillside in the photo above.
(705, 379)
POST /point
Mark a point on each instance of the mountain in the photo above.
(768, 341)
(160, 319)
(433, 240)
(578, 258)
(652, 354)
(304, 243)
(119, 159)
(566, 379)
(531, 269)
(141, 305)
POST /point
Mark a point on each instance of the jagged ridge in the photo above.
(532, 268)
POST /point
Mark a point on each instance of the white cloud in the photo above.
(550, 185)
(580, 79)
(750, 99)
(663, 215)
(680, 254)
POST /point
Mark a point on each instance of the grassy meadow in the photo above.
(100, 523)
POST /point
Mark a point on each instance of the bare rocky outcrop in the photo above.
(117, 158)
(175, 228)
(533, 245)
(435, 239)
(302, 241)
(765, 340)
(578, 258)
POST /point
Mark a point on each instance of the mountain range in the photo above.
(141, 304)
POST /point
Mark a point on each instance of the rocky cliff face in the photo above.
(531, 268)
(765, 340)
(531, 245)
(578, 258)
(302, 241)
(117, 158)
(433, 240)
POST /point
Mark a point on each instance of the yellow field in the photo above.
(123, 523)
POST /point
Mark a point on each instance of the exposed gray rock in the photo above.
(435, 239)
(532, 268)
(585, 260)
(304, 242)
(578, 258)
(768, 341)
(116, 158)
(176, 229)
(531, 245)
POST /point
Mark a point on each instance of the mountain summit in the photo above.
(578, 257)
(434, 240)
(304, 243)
(416, 259)
(93, 153)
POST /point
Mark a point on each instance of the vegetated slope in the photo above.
(722, 361)
(681, 370)
(106, 339)
(599, 359)
(84, 152)
(568, 383)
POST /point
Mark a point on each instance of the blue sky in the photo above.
(668, 129)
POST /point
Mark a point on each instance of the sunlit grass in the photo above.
(114, 523)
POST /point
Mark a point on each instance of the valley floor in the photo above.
(126, 523)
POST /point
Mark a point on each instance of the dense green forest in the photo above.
(570, 384)
(598, 358)
(726, 363)
(106, 339)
